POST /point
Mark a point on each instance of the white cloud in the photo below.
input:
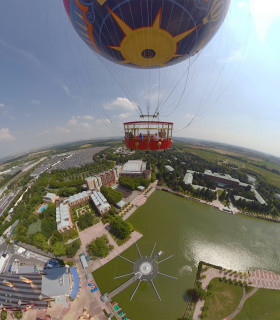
(66, 89)
(235, 55)
(75, 123)
(59, 130)
(124, 115)
(106, 120)
(34, 101)
(86, 117)
(2, 105)
(5, 135)
(241, 4)
(120, 103)
(264, 14)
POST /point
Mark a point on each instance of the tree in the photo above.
(59, 249)
(56, 237)
(100, 247)
(4, 314)
(85, 221)
(48, 225)
(71, 249)
(18, 314)
(113, 196)
(121, 228)
(40, 241)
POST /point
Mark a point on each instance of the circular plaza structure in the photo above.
(147, 267)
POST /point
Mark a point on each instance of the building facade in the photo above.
(100, 202)
(106, 178)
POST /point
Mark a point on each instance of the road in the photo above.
(6, 200)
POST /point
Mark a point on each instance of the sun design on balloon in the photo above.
(148, 46)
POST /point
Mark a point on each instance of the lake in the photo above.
(191, 232)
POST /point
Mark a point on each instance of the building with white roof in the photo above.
(3, 261)
(100, 202)
(50, 197)
(78, 199)
(188, 178)
(63, 218)
(135, 168)
(221, 179)
(169, 168)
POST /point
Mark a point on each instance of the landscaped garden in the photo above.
(263, 305)
(222, 299)
(84, 215)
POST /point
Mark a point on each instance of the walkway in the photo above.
(98, 230)
(264, 279)
(241, 303)
(141, 199)
(259, 279)
(125, 285)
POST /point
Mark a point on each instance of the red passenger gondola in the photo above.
(148, 135)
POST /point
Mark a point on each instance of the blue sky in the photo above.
(53, 88)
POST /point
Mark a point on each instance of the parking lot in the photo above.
(25, 258)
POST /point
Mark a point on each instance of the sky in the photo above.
(54, 89)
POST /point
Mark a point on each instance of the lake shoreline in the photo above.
(220, 208)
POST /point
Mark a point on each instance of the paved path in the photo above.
(241, 303)
(212, 273)
(264, 279)
(125, 285)
(140, 200)
(256, 279)
(98, 230)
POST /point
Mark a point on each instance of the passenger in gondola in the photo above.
(141, 136)
(156, 137)
(130, 135)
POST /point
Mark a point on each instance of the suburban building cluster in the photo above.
(108, 178)
(223, 181)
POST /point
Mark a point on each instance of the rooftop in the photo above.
(55, 282)
(62, 216)
(169, 168)
(78, 196)
(134, 166)
(99, 200)
(50, 195)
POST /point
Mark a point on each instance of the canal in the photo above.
(191, 232)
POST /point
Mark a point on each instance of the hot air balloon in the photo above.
(147, 34)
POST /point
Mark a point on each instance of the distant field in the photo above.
(263, 305)
(245, 162)
(224, 299)
(225, 152)
(31, 155)
(86, 146)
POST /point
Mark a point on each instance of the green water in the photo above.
(191, 232)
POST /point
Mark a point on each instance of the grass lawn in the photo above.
(263, 305)
(34, 227)
(224, 299)
(119, 241)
